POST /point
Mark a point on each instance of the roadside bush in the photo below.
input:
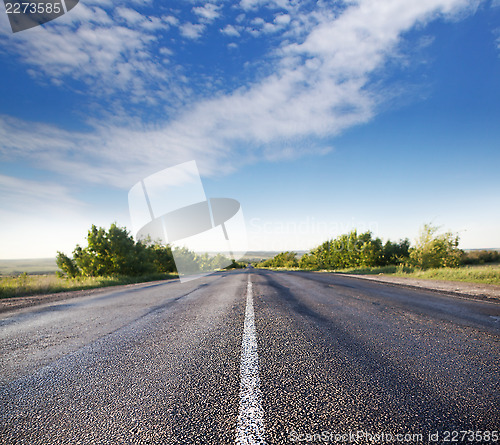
(396, 253)
(308, 262)
(235, 265)
(67, 265)
(351, 250)
(363, 251)
(348, 250)
(112, 253)
(283, 259)
(434, 251)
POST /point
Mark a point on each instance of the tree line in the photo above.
(114, 252)
(353, 250)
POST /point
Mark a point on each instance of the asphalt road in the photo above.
(289, 358)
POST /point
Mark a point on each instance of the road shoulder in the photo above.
(461, 288)
(13, 303)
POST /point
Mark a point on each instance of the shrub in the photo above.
(283, 259)
(114, 252)
(434, 251)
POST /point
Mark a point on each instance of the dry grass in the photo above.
(485, 274)
(25, 284)
(472, 274)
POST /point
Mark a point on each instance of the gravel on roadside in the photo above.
(460, 288)
(13, 303)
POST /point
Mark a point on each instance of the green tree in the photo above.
(219, 261)
(371, 251)
(113, 252)
(432, 250)
(67, 265)
(235, 265)
(347, 250)
(283, 259)
(308, 261)
(163, 258)
(355, 250)
(396, 253)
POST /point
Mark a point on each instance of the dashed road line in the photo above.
(250, 427)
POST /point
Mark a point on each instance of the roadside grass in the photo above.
(24, 284)
(472, 274)
(485, 274)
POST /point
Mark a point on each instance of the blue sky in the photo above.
(319, 117)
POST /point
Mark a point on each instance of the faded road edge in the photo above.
(250, 428)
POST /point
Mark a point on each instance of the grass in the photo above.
(484, 274)
(472, 274)
(24, 284)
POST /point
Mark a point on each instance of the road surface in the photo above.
(252, 356)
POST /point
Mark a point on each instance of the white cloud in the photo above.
(270, 28)
(273, 4)
(134, 18)
(258, 21)
(109, 52)
(192, 30)
(259, 25)
(230, 30)
(142, 2)
(320, 87)
(250, 4)
(100, 2)
(116, 156)
(171, 20)
(24, 194)
(153, 23)
(282, 19)
(207, 13)
(131, 16)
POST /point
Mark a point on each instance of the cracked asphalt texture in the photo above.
(160, 363)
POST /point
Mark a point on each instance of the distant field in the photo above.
(257, 256)
(23, 285)
(37, 266)
(262, 255)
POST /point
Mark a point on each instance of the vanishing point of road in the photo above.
(252, 357)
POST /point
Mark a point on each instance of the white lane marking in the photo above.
(250, 428)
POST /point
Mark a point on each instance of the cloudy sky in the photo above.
(318, 116)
